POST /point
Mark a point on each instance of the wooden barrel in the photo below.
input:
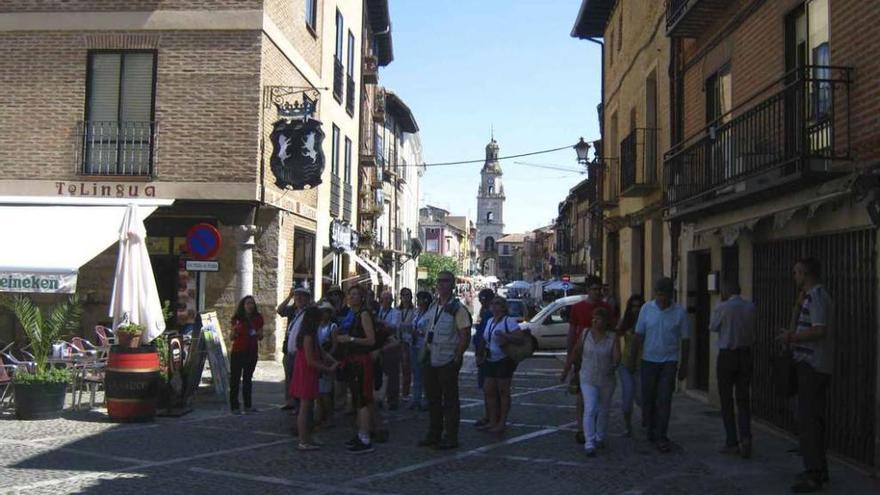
(131, 383)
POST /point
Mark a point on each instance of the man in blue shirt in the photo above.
(664, 329)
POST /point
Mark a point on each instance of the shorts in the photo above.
(502, 369)
(358, 373)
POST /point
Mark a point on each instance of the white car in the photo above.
(550, 325)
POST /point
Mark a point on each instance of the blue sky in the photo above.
(464, 66)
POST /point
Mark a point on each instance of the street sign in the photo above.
(566, 278)
(203, 241)
(566, 286)
(202, 266)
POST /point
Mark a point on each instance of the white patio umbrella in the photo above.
(135, 298)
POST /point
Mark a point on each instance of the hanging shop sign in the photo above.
(297, 154)
(342, 236)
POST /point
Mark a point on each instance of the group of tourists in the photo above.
(351, 346)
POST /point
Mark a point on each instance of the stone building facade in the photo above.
(191, 123)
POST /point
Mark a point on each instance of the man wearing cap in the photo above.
(581, 319)
(302, 298)
(663, 329)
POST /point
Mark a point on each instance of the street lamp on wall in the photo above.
(582, 148)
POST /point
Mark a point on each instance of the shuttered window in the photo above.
(119, 130)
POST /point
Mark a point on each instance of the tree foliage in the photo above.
(435, 264)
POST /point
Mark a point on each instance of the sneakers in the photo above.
(354, 441)
(306, 447)
(360, 447)
(590, 452)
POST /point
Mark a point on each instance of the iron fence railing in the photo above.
(111, 147)
(849, 264)
(808, 118)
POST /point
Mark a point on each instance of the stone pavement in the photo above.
(212, 452)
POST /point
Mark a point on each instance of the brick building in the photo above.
(177, 100)
(766, 118)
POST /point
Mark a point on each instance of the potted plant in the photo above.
(129, 335)
(40, 392)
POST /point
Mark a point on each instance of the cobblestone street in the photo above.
(210, 451)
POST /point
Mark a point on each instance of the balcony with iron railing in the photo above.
(638, 163)
(379, 107)
(115, 148)
(607, 173)
(791, 133)
(371, 69)
(349, 94)
(346, 202)
(690, 18)
(338, 79)
(335, 195)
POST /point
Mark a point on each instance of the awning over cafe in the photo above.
(47, 240)
(374, 277)
(386, 279)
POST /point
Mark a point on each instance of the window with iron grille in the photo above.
(119, 131)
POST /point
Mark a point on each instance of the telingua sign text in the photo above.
(103, 190)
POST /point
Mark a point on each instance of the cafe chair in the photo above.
(87, 376)
(6, 389)
(105, 336)
(9, 359)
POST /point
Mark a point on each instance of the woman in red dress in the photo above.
(304, 385)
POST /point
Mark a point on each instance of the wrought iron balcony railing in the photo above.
(349, 95)
(110, 147)
(638, 163)
(379, 107)
(346, 202)
(371, 69)
(338, 79)
(800, 128)
(335, 195)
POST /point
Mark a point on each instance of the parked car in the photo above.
(550, 325)
(518, 308)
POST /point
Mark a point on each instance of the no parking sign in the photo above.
(203, 241)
